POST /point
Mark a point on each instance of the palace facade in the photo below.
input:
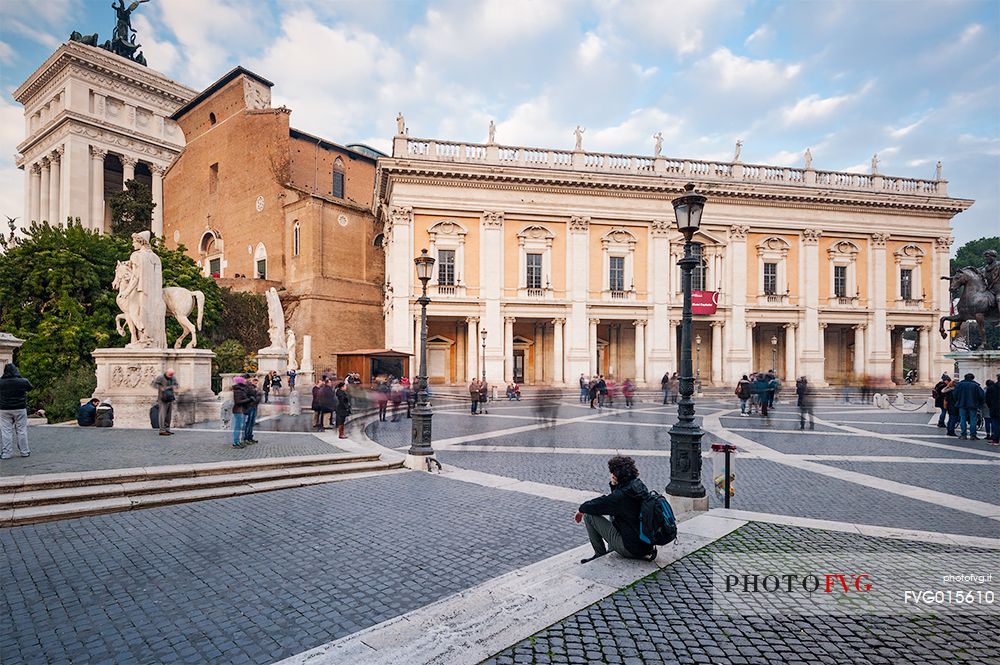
(568, 261)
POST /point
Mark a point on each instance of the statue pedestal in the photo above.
(984, 364)
(272, 359)
(124, 376)
(8, 343)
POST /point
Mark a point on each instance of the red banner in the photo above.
(704, 302)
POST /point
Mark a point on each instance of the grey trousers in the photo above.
(599, 530)
(13, 422)
(166, 410)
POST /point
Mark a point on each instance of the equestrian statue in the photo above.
(978, 294)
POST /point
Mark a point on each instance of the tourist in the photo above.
(253, 393)
(939, 398)
(396, 396)
(13, 412)
(989, 425)
(342, 408)
(585, 388)
(968, 396)
(484, 395)
(86, 415)
(611, 387)
(760, 387)
(105, 415)
(804, 400)
(592, 391)
(602, 391)
(513, 392)
(628, 390)
(951, 406)
(665, 386)
(267, 385)
(622, 506)
(382, 398)
(327, 402)
(292, 374)
(166, 394)
(317, 407)
(743, 392)
(240, 402)
(675, 387)
(993, 404)
(275, 382)
(773, 386)
(474, 394)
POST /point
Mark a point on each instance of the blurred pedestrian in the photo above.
(474, 394)
(804, 400)
(14, 390)
(939, 398)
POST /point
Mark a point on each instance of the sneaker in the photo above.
(238, 445)
(964, 438)
(164, 433)
(974, 438)
(250, 441)
(26, 454)
(652, 555)
(5, 456)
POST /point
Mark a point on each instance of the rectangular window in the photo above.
(533, 280)
(215, 267)
(770, 278)
(213, 178)
(840, 281)
(262, 269)
(906, 284)
(616, 275)
(296, 240)
(338, 184)
(446, 267)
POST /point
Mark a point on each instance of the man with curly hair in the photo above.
(619, 530)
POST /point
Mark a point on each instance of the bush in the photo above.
(230, 357)
(61, 399)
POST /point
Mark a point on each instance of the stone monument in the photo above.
(306, 375)
(8, 343)
(978, 294)
(125, 375)
(275, 355)
(291, 344)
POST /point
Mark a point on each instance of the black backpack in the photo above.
(657, 525)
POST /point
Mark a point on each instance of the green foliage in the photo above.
(56, 294)
(230, 357)
(131, 209)
(61, 399)
(244, 319)
(971, 253)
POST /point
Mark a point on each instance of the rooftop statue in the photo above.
(122, 40)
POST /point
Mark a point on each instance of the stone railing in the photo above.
(602, 162)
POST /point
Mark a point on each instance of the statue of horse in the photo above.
(975, 303)
(180, 302)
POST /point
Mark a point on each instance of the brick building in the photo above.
(260, 204)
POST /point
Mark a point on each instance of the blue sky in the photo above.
(912, 80)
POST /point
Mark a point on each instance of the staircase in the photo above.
(55, 496)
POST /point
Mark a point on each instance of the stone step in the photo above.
(49, 481)
(51, 512)
(160, 485)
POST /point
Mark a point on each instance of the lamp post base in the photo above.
(687, 504)
(421, 462)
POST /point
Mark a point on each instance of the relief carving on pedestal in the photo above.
(131, 376)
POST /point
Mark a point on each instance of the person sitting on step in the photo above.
(620, 529)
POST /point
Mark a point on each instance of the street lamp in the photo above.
(697, 371)
(685, 435)
(482, 334)
(774, 355)
(420, 436)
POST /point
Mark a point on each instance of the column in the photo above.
(924, 356)
(896, 343)
(790, 352)
(942, 303)
(661, 352)
(813, 347)
(158, 172)
(750, 349)
(34, 189)
(97, 188)
(128, 169)
(592, 349)
(738, 354)
(472, 347)
(716, 353)
(880, 353)
(55, 184)
(43, 192)
(558, 377)
(578, 359)
(859, 351)
(508, 348)
(640, 351)
(539, 347)
(674, 359)
(822, 351)
(491, 279)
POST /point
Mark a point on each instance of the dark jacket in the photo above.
(316, 403)
(241, 400)
(105, 416)
(993, 400)
(938, 395)
(253, 395)
(760, 386)
(13, 389)
(968, 395)
(87, 415)
(343, 407)
(804, 394)
(623, 504)
(743, 389)
(327, 398)
(163, 383)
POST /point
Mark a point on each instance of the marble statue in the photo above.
(875, 164)
(578, 133)
(658, 147)
(493, 132)
(809, 159)
(307, 349)
(275, 319)
(290, 343)
(400, 125)
(938, 172)
(140, 295)
(739, 149)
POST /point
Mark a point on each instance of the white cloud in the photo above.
(970, 33)
(11, 178)
(161, 55)
(6, 53)
(903, 131)
(732, 72)
(683, 26)
(590, 48)
(635, 133)
(786, 158)
(644, 72)
(761, 35)
(814, 108)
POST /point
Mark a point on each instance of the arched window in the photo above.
(338, 179)
(211, 118)
(296, 239)
(260, 262)
(210, 248)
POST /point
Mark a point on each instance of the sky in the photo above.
(915, 81)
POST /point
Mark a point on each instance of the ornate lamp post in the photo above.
(685, 435)
(697, 371)
(482, 334)
(420, 439)
(774, 354)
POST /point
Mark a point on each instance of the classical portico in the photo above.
(93, 121)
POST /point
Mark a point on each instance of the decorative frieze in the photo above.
(581, 224)
(492, 220)
(811, 236)
(661, 227)
(738, 232)
(943, 243)
(879, 238)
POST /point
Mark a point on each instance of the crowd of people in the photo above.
(962, 404)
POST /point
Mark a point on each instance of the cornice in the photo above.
(658, 188)
(71, 122)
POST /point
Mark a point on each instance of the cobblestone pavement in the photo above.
(668, 617)
(257, 578)
(70, 449)
(979, 482)
(848, 444)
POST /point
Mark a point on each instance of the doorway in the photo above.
(519, 366)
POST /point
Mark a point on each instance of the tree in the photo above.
(55, 293)
(131, 209)
(244, 319)
(971, 253)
